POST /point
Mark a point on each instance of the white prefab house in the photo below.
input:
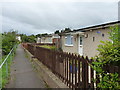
(85, 41)
(51, 38)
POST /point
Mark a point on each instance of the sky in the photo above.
(46, 16)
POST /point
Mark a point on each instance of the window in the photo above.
(49, 40)
(103, 35)
(81, 41)
(93, 39)
(69, 40)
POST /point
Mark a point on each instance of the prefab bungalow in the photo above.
(18, 38)
(70, 42)
(85, 41)
(51, 38)
(45, 39)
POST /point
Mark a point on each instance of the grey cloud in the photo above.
(33, 18)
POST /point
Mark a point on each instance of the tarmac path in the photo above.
(22, 73)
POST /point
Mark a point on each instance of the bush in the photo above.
(28, 39)
(109, 53)
(8, 41)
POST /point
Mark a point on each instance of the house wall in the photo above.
(46, 40)
(55, 40)
(42, 40)
(38, 40)
(90, 46)
(18, 38)
(71, 49)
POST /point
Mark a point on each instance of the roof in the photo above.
(98, 26)
(50, 35)
(95, 27)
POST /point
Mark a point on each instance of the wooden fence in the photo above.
(72, 69)
(50, 44)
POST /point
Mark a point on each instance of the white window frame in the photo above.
(71, 42)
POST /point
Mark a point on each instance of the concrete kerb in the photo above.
(51, 80)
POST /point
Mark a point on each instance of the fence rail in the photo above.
(72, 69)
(6, 62)
(50, 44)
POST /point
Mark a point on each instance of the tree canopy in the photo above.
(8, 41)
(29, 39)
(57, 32)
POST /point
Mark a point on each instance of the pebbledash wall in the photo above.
(90, 44)
(47, 39)
(91, 39)
(70, 48)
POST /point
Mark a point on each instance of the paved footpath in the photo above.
(22, 73)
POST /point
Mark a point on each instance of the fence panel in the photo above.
(66, 66)
(72, 69)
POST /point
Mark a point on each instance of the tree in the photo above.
(8, 41)
(44, 34)
(29, 39)
(66, 30)
(0, 40)
(38, 35)
(109, 53)
(57, 32)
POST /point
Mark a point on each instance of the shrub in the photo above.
(8, 41)
(109, 53)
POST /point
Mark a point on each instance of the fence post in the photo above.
(11, 57)
(1, 83)
(7, 68)
(34, 50)
(84, 73)
(92, 75)
(79, 72)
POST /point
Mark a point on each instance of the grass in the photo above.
(49, 47)
(4, 76)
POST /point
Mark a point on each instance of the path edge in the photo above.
(51, 80)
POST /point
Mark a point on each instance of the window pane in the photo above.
(69, 40)
(80, 40)
(93, 39)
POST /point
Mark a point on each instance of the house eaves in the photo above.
(96, 27)
(73, 33)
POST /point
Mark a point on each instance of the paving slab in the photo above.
(23, 74)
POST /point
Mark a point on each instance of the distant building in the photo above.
(18, 38)
(50, 38)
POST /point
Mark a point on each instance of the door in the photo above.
(80, 45)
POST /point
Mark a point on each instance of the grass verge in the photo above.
(5, 74)
(5, 71)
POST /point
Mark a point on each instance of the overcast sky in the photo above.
(47, 17)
